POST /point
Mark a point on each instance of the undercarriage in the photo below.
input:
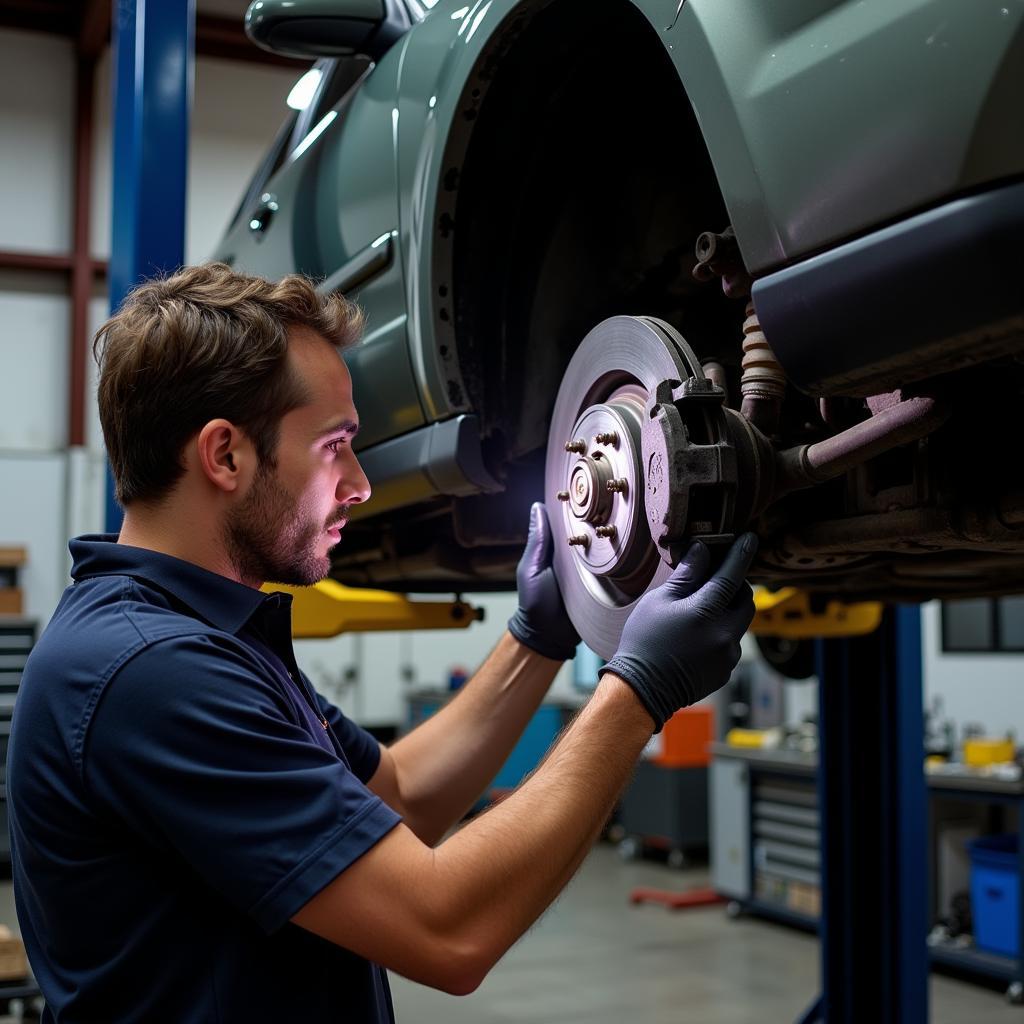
(876, 459)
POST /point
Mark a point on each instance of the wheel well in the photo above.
(576, 182)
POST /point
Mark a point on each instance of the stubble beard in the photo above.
(272, 538)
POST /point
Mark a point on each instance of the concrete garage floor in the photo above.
(595, 959)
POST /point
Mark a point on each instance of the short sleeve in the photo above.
(361, 749)
(194, 747)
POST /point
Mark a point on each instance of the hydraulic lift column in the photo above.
(872, 799)
(153, 57)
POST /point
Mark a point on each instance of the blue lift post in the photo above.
(154, 57)
(872, 800)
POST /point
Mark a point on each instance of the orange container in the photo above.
(684, 741)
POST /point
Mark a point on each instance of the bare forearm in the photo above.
(445, 916)
(445, 764)
(505, 867)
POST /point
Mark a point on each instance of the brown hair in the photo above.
(203, 343)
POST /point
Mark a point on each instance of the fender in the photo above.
(823, 118)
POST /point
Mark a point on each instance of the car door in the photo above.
(324, 202)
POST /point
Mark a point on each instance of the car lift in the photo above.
(872, 804)
(329, 608)
(870, 778)
(872, 810)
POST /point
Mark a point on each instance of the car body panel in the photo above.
(440, 56)
(815, 124)
(336, 197)
(823, 119)
(828, 117)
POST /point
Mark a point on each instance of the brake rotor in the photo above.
(613, 466)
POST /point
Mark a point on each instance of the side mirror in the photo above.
(327, 28)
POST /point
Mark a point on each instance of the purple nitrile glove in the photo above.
(541, 621)
(682, 640)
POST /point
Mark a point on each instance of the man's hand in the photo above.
(682, 641)
(541, 621)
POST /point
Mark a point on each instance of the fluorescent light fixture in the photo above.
(315, 133)
(304, 89)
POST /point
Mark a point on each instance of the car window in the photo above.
(338, 77)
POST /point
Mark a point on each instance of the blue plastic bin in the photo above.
(995, 893)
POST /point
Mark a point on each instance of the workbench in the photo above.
(765, 844)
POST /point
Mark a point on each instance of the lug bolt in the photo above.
(608, 438)
(562, 495)
(618, 485)
(581, 540)
(576, 447)
(607, 531)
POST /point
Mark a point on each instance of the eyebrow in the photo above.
(349, 427)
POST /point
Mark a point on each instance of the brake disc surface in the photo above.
(595, 478)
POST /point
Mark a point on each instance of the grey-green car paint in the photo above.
(364, 10)
(823, 118)
(335, 200)
(264, 14)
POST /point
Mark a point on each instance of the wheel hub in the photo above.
(601, 511)
(597, 484)
(642, 458)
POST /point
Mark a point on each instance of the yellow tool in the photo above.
(329, 608)
(984, 750)
(788, 613)
(754, 739)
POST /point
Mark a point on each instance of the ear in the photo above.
(225, 455)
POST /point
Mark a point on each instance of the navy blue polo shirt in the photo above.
(177, 792)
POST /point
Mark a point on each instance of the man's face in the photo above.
(292, 515)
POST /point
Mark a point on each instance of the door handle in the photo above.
(263, 214)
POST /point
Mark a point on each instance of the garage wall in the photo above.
(987, 689)
(237, 111)
(36, 122)
(371, 677)
(48, 492)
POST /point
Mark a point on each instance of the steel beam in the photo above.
(872, 800)
(154, 57)
(81, 262)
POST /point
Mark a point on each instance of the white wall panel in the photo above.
(99, 310)
(37, 74)
(388, 667)
(34, 327)
(102, 162)
(32, 516)
(987, 689)
(86, 491)
(237, 111)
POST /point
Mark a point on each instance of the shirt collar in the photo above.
(222, 602)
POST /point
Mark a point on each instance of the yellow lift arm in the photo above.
(787, 613)
(329, 608)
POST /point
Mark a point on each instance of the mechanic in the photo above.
(196, 834)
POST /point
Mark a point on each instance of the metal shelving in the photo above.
(765, 822)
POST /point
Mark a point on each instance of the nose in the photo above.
(353, 487)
